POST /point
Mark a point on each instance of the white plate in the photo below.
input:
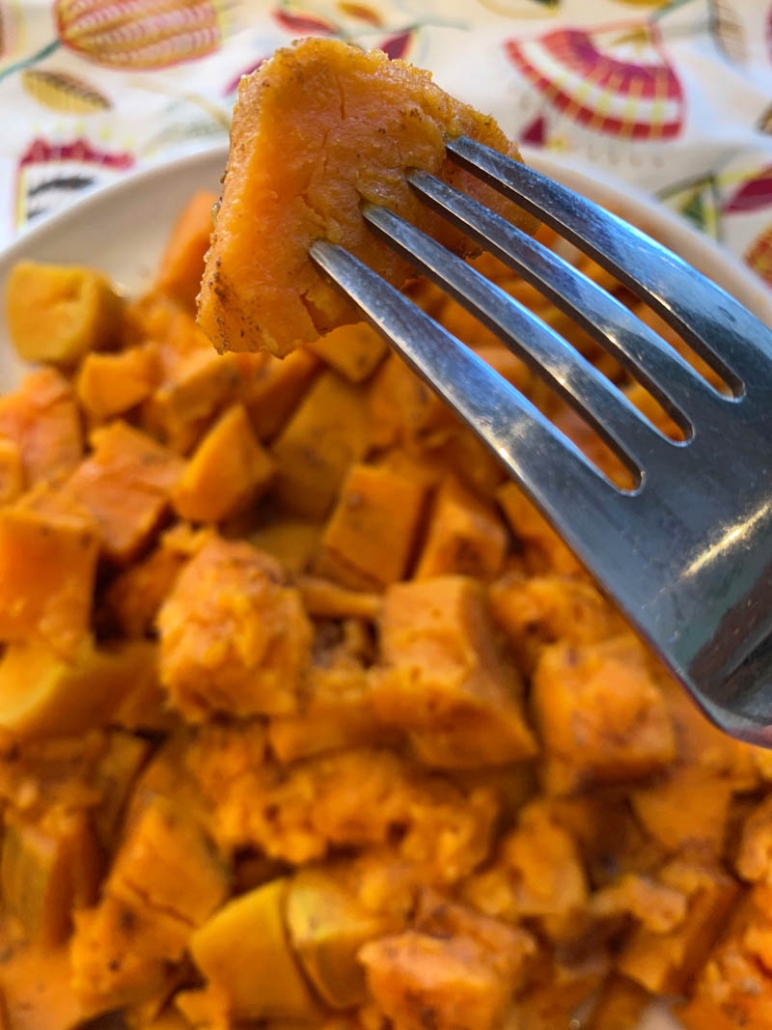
(122, 229)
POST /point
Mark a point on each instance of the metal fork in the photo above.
(687, 552)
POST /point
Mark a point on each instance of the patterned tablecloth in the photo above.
(674, 97)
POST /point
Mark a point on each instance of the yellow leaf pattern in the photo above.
(63, 92)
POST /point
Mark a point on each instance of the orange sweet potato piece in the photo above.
(449, 983)
(537, 611)
(182, 263)
(687, 809)
(369, 537)
(754, 854)
(325, 600)
(34, 1002)
(11, 471)
(57, 313)
(544, 551)
(620, 1006)
(42, 419)
(126, 484)
(234, 638)
(43, 695)
(734, 988)
(665, 963)
(444, 679)
(229, 470)
(49, 869)
(110, 384)
(465, 536)
(293, 542)
(276, 387)
(48, 557)
(326, 434)
(353, 350)
(601, 717)
(358, 121)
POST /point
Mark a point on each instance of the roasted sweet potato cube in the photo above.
(465, 536)
(665, 963)
(49, 869)
(275, 388)
(293, 542)
(42, 419)
(358, 121)
(11, 471)
(245, 955)
(126, 484)
(48, 556)
(182, 263)
(327, 925)
(43, 695)
(444, 679)
(234, 638)
(754, 855)
(115, 775)
(353, 350)
(601, 717)
(57, 313)
(620, 1005)
(537, 873)
(687, 809)
(369, 537)
(448, 984)
(337, 713)
(229, 470)
(110, 384)
(32, 1002)
(327, 433)
(124, 953)
(544, 551)
(403, 409)
(167, 861)
(734, 988)
(541, 610)
(326, 600)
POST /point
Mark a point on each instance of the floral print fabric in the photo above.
(673, 96)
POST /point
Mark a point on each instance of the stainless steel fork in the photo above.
(687, 552)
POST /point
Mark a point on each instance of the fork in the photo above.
(686, 552)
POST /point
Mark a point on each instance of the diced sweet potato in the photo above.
(325, 600)
(110, 384)
(369, 537)
(358, 122)
(167, 862)
(686, 809)
(448, 984)
(245, 955)
(115, 775)
(540, 610)
(11, 471)
(48, 557)
(601, 716)
(353, 350)
(182, 263)
(337, 713)
(620, 1006)
(31, 1001)
(537, 873)
(465, 537)
(42, 419)
(665, 963)
(229, 470)
(327, 434)
(401, 408)
(754, 856)
(327, 926)
(734, 988)
(234, 638)
(57, 313)
(293, 542)
(444, 679)
(43, 695)
(544, 551)
(126, 484)
(49, 869)
(275, 389)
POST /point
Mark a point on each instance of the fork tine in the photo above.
(708, 318)
(513, 428)
(610, 322)
(548, 354)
